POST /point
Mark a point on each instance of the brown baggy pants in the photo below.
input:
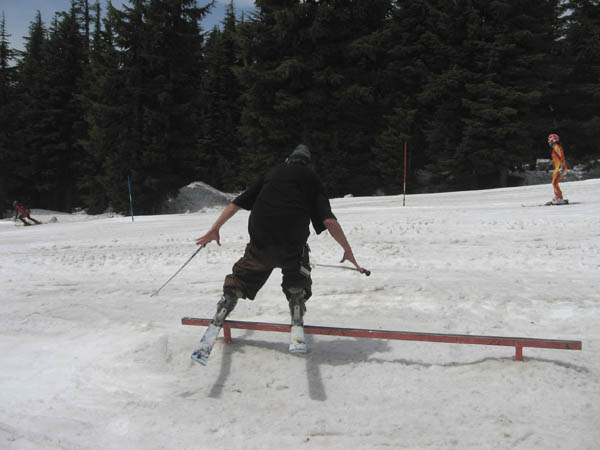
(253, 269)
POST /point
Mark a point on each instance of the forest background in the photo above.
(100, 95)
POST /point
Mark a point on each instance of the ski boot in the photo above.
(225, 305)
(297, 309)
(559, 201)
(297, 306)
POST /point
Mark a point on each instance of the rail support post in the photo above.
(227, 333)
(519, 353)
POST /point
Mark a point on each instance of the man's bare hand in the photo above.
(209, 237)
(349, 256)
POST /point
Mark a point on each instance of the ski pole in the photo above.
(365, 271)
(195, 253)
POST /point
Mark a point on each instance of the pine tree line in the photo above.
(145, 92)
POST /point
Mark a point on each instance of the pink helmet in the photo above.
(553, 138)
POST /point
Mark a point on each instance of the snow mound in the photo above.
(195, 197)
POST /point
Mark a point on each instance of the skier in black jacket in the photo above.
(282, 202)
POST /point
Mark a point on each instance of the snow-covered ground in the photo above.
(89, 360)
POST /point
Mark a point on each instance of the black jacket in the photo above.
(282, 203)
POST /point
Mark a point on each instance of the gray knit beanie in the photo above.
(300, 154)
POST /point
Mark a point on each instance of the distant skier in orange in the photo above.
(560, 168)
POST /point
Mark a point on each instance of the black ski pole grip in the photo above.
(366, 272)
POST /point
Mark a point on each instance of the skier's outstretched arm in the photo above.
(336, 231)
(213, 233)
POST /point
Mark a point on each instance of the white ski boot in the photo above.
(297, 310)
(559, 201)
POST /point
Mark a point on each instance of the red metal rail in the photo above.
(517, 342)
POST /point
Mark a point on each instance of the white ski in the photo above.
(297, 341)
(202, 353)
(566, 202)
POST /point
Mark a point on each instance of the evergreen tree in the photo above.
(59, 151)
(102, 98)
(483, 82)
(348, 99)
(32, 126)
(576, 71)
(8, 109)
(220, 108)
(411, 55)
(160, 45)
(118, 140)
(265, 127)
(305, 81)
(507, 48)
(441, 100)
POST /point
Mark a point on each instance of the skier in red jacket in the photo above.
(23, 213)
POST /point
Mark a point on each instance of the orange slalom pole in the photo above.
(404, 196)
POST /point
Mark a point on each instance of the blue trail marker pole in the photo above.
(130, 200)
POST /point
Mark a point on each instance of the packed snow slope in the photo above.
(89, 360)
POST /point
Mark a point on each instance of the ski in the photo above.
(297, 341)
(202, 352)
(566, 202)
